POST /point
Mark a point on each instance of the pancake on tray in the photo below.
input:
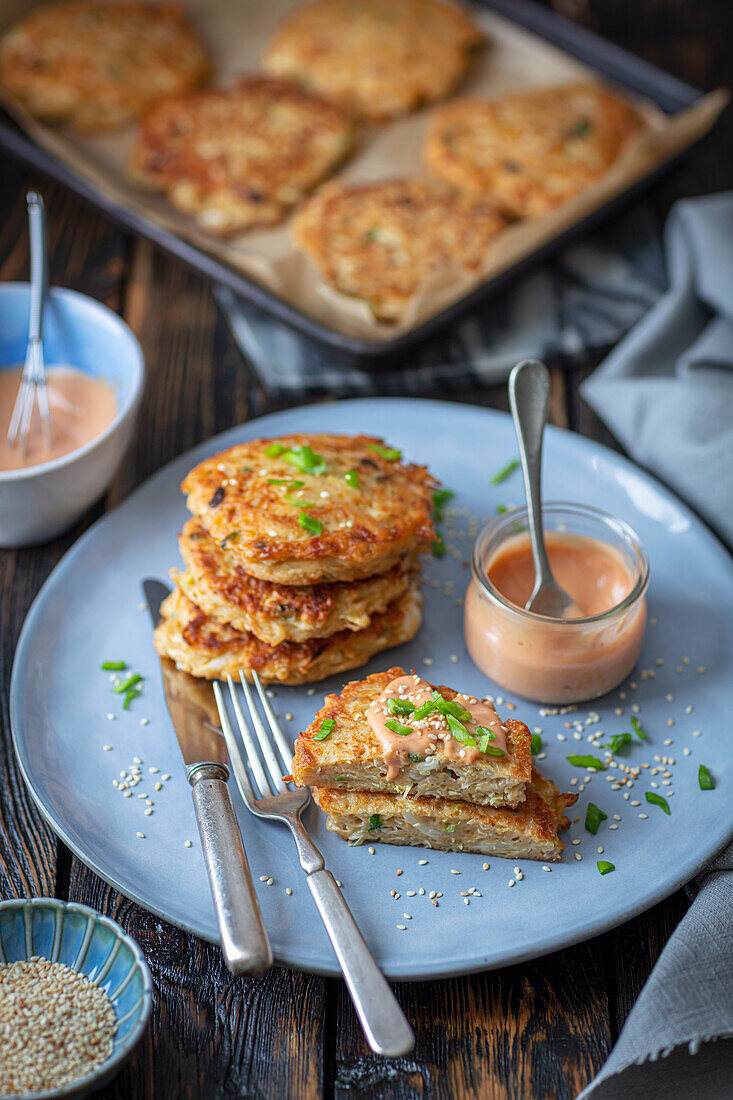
(378, 58)
(243, 156)
(216, 582)
(309, 509)
(382, 241)
(533, 150)
(98, 65)
(437, 752)
(204, 647)
(527, 832)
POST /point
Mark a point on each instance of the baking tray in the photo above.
(611, 62)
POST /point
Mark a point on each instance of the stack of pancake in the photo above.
(302, 558)
(398, 760)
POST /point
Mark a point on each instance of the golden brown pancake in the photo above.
(216, 581)
(240, 157)
(204, 647)
(381, 242)
(351, 757)
(527, 832)
(533, 150)
(378, 58)
(314, 508)
(99, 65)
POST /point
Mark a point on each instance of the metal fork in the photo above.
(381, 1017)
(33, 380)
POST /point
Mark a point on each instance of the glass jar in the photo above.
(557, 660)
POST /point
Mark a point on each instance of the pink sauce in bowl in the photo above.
(600, 562)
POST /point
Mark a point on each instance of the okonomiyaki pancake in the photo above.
(378, 58)
(216, 581)
(242, 156)
(382, 241)
(98, 65)
(527, 832)
(204, 647)
(308, 509)
(437, 755)
(533, 150)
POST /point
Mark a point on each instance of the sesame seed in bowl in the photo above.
(75, 996)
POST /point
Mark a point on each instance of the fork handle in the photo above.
(244, 942)
(381, 1017)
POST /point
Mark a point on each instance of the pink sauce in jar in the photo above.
(600, 562)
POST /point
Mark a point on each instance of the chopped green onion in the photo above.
(704, 778)
(375, 822)
(594, 815)
(398, 727)
(328, 725)
(425, 709)
(292, 485)
(305, 459)
(127, 683)
(438, 547)
(451, 828)
(459, 731)
(637, 728)
(229, 537)
(587, 762)
(536, 744)
(308, 523)
(504, 472)
(391, 454)
(450, 706)
(618, 740)
(657, 800)
(414, 756)
(490, 750)
(129, 696)
(400, 706)
(501, 509)
(440, 496)
(342, 778)
(113, 666)
(605, 867)
(351, 478)
(486, 732)
(275, 450)
(301, 503)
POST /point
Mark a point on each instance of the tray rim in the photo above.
(593, 927)
(611, 61)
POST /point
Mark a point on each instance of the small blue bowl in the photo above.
(90, 944)
(40, 502)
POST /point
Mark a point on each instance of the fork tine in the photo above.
(235, 755)
(273, 767)
(284, 748)
(250, 748)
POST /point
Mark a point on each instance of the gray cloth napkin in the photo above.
(666, 391)
(587, 296)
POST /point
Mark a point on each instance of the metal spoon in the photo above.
(529, 397)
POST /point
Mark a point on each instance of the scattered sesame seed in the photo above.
(107, 748)
(401, 927)
(696, 733)
(288, 891)
(453, 871)
(407, 916)
(263, 878)
(577, 856)
(454, 658)
(371, 850)
(187, 844)
(111, 717)
(427, 660)
(644, 816)
(289, 716)
(511, 882)
(141, 835)
(545, 867)
(686, 752)
(600, 849)
(422, 862)
(486, 866)
(144, 721)
(270, 882)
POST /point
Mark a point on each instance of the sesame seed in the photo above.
(577, 856)
(427, 660)
(144, 721)
(545, 867)
(401, 927)
(187, 844)
(696, 733)
(686, 752)
(371, 850)
(600, 849)
(288, 891)
(107, 748)
(270, 882)
(111, 717)
(411, 893)
(422, 862)
(454, 872)
(406, 916)
(644, 816)
(486, 866)
(141, 835)
(454, 658)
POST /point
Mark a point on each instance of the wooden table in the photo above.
(542, 1029)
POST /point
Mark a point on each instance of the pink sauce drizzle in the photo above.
(431, 733)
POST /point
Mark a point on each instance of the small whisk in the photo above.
(33, 388)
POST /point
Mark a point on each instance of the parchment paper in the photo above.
(236, 32)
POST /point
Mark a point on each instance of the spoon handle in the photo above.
(529, 397)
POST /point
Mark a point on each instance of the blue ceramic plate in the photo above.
(89, 611)
(90, 944)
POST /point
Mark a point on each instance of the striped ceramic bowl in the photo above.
(90, 944)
